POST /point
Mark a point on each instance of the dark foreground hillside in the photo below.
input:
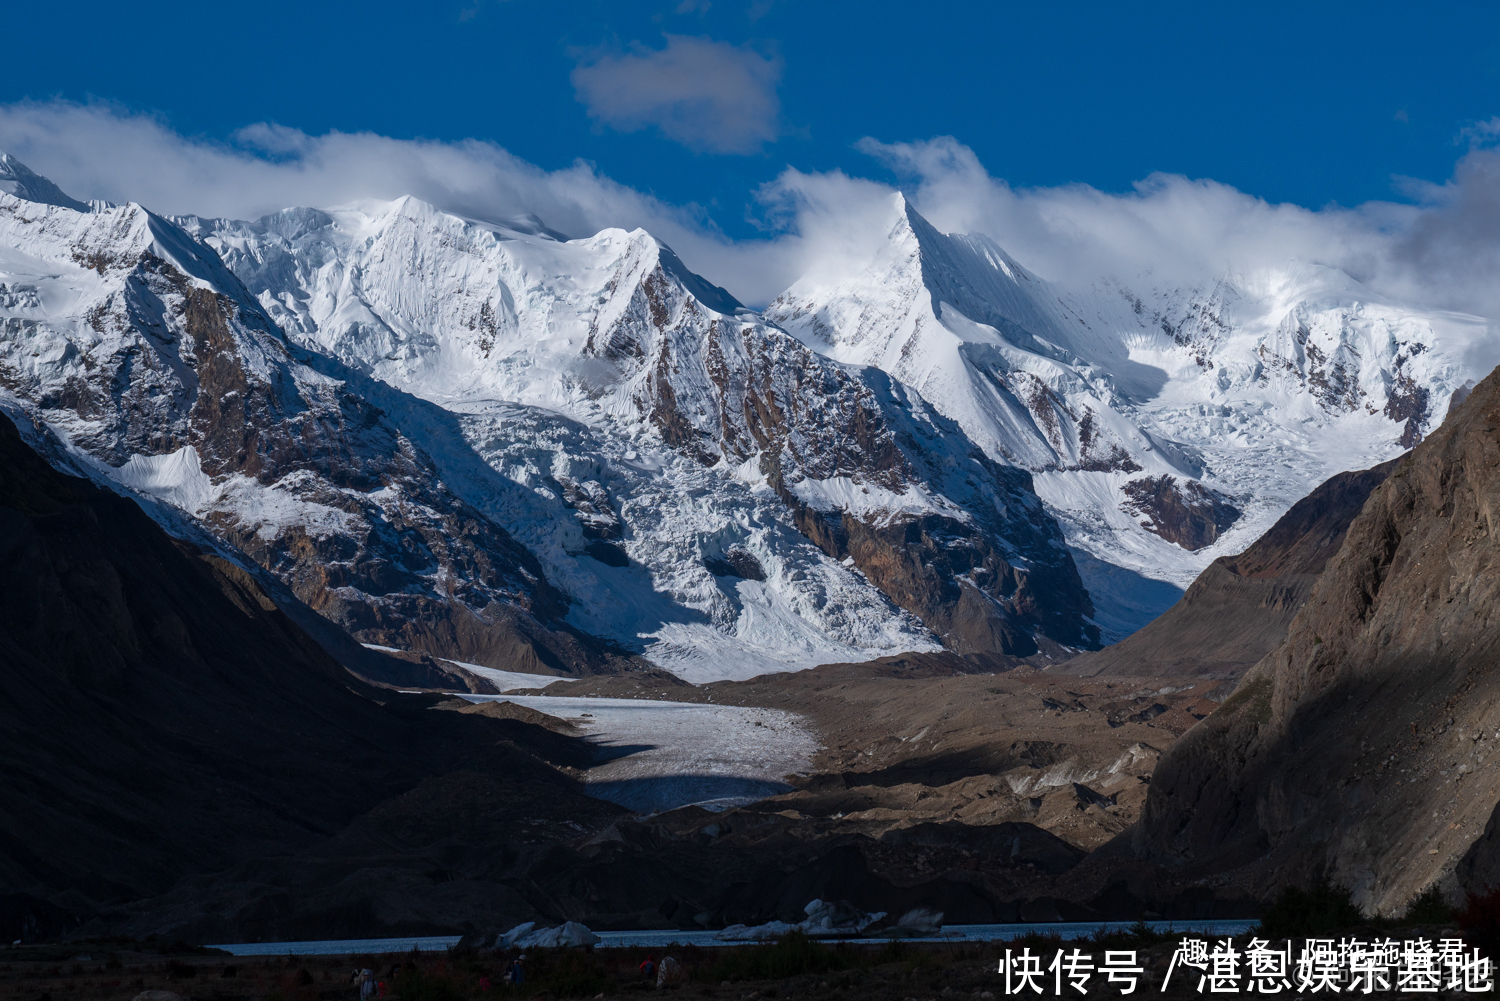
(1240, 607)
(161, 718)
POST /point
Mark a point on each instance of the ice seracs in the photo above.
(614, 333)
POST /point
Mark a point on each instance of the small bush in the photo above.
(1139, 934)
(1300, 913)
(1428, 909)
(568, 973)
(901, 952)
(1037, 941)
(1143, 934)
(433, 983)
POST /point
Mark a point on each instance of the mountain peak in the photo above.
(21, 181)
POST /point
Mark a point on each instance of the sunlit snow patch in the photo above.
(176, 477)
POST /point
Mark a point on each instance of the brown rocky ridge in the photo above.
(1361, 747)
(989, 574)
(1191, 515)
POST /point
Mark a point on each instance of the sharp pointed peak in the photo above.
(913, 220)
(22, 182)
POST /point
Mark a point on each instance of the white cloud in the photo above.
(1443, 250)
(709, 96)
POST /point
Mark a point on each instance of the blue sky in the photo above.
(764, 140)
(703, 102)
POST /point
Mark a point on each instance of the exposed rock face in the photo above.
(1252, 381)
(1192, 516)
(959, 319)
(870, 471)
(1240, 607)
(1363, 746)
(992, 575)
(738, 562)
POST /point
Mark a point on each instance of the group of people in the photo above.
(668, 971)
(371, 987)
(515, 973)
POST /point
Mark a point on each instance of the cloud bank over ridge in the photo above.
(1441, 249)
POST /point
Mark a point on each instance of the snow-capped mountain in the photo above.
(134, 344)
(1165, 426)
(695, 430)
(488, 443)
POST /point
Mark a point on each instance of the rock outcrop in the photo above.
(1240, 607)
(167, 373)
(1191, 515)
(1363, 746)
(1215, 397)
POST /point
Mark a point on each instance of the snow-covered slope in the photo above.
(1255, 389)
(489, 442)
(686, 436)
(21, 181)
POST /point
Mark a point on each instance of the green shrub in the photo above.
(1428, 909)
(1300, 913)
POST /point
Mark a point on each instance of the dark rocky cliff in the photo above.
(1363, 746)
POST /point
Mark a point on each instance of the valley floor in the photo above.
(901, 742)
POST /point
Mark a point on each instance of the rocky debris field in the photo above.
(903, 745)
